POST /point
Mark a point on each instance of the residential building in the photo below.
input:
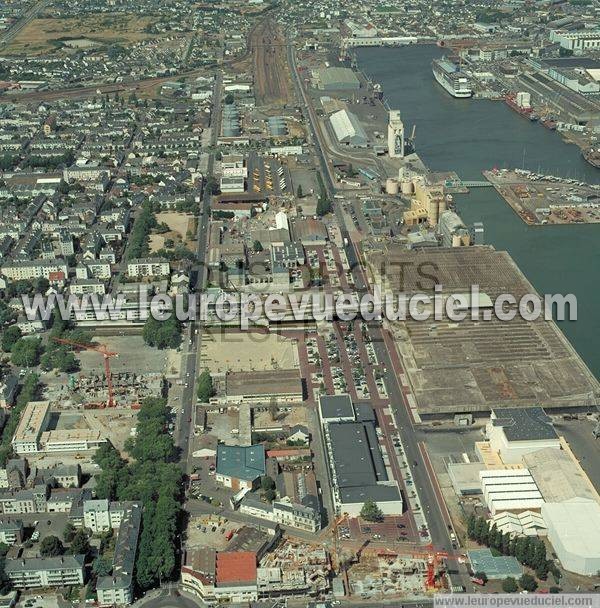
(148, 267)
(33, 269)
(37, 572)
(11, 531)
(117, 588)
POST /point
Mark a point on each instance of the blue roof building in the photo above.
(239, 467)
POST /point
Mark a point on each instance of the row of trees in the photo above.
(205, 389)
(323, 203)
(138, 239)
(29, 392)
(155, 481)
(529, 551)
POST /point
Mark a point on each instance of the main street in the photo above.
(193, 336)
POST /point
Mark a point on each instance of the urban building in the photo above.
(11, 531)
(116, 589)
(348, 130)
(240, 467)
(510, 490)
(38, 572)
(283, 512)
(515, 432)
(148, 267)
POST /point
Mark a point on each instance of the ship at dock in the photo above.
(592, 156)
(451, 78)
(521, 104)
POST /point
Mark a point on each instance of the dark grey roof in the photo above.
(125, 552)
(241, 462)
(356, 454)
(365, 413)
(377, 493)
(522, 424)
(336, 406)
(64, 562)
(255, 503)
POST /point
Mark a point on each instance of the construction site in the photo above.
(541, 200)
(115, 371)
(382, 573)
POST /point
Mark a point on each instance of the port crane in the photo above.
(106, 354)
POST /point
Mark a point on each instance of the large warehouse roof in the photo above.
(558, 476)
(348, 129)
(356, 453)
(337, 78)
(524, 424)
(574, 531)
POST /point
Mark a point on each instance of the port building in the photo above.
(337, 79)
(574, 531)
(516, 432)
(470, 365)
(348, 130)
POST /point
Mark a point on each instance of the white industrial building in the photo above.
(579, 41)
(574, 531)
(514, 432)
(510, 490)
(348, 130)
(526, 523)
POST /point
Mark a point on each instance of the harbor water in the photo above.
(468, 136)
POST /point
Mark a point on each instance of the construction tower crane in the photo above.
(106, 354)
(433, 559)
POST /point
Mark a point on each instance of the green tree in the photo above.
(527, 582)
(505, 544)
(80, 545)
(554, 589)
(206, 390)
(323, 206)
(471, 526)
(521, 549)
(162, 334)
(257, 246)
(509, 585)
(370, 511)
(481, 531)
(69, 532)
(101, 566)
(51, 547)
(267, 483)
(482, 576)
(9, 337)
(299, 192)
(26, 352)
(229, 99)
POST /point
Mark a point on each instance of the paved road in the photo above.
(28, 16)
(184, 428)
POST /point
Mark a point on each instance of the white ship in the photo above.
(451, 78)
